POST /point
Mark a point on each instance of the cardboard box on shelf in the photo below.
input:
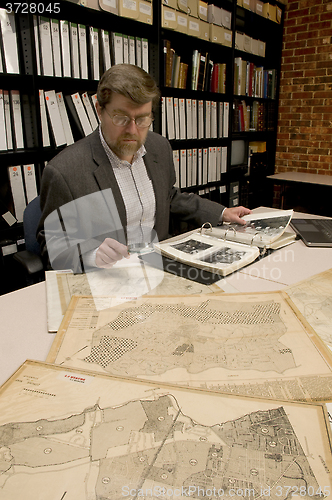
(194, 27)
(193, 8)
(202, 10)
(169, 19)
(145, 11)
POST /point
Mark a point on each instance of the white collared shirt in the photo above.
(137, 193)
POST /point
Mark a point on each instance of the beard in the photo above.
(122, 148)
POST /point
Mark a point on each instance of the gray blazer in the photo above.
(83, 169)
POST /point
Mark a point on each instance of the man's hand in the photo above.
(109, 252)
(235, 214)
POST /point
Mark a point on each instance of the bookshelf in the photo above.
(205, 156)
(252, 43)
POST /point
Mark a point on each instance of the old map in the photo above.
(313, 297)
(115, 286)
(246, 344)
(72, 435)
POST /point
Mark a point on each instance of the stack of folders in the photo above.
(68, 49)
(199, 166)
(23, 189)
(18, 128)
(80, 51)
(194, 119)
(66, 119)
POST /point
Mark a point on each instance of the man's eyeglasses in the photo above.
(124, 120)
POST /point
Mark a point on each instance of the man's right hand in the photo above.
(110, 252)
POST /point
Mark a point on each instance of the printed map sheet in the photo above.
(114, 286)
(249, 344)
(70, 434)
(313, 297)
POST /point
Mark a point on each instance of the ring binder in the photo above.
(232, 228)
(208, 229)
(254, 236)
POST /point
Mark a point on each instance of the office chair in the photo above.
(30, 258)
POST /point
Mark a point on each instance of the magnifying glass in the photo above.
(140, 247)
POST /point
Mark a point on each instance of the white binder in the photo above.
(194, 169)
(145, 54)
(207, 119)
(132, 51)
(220, 119)
(189, 119)
(205, 160)
(189, 167)
(94, 47)
(30, 182)
(83, 51)
(212, 171)
(199, 166)
(183, 168)
(46, 46)
(182, 118)
(176, 162)
(194, 118)
(37, 44)
(81, 113)
(170, 118)
(117, 48)
(65, 48)
(218, 163)
(43, 118)
(17, 118)
(138, 51)
(176, 118)
(8, 119)
(105, 38)
(163, 117)
(55, 118)
(200, 119)
(125, 41)
(89, 111)
(16, 184)
(55, 36)
(224, 159)
(214, 116)
(93, 99)
(3, 137)
(225, 119)
(64, 118)
(9, 40)
(73, 36)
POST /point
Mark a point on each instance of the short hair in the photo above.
(129, 81)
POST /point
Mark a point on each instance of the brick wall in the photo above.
(304, 141)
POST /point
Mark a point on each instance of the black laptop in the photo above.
(314, 232)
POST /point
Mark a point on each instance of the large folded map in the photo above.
(78, 435)
(251, 344)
